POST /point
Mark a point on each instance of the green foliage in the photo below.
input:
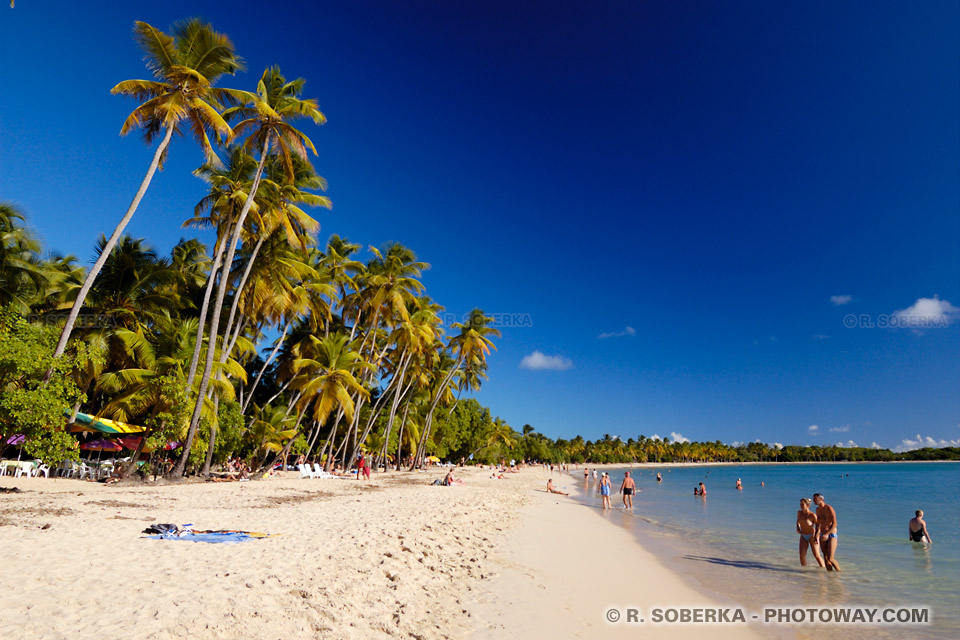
(28, 405)
(229, 431)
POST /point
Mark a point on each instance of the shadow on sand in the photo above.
(743, 564)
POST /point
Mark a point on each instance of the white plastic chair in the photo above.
(44, 469)
(24, 470)
(305, 471)
(88, 472)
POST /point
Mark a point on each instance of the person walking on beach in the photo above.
(627, 488)
(827, 532)
(605, 490)
(807, 528)
(917, 528)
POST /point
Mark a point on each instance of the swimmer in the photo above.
(917, 528)
(739, 485)
(703, 490)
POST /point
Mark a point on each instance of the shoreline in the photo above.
(564, 568)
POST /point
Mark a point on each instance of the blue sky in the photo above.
(728, 180)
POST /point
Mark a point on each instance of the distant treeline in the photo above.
(611, 449)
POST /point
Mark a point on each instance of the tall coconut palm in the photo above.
(185, 66)
(266, 119)
(22, 276)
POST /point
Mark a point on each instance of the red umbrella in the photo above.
(101, 445)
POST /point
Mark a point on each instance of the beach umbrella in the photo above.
(433, 459)
(101, 445)
(17, 439)
(85, 422)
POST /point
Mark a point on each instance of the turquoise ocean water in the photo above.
(743, 545)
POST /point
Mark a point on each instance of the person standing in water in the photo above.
(739, 485)
(917, 528)
(627, 489)
(827, 532)
(703, 490)
(807, 528)
(605, 490)
(659, 479)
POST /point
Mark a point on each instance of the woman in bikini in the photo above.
(806, 526)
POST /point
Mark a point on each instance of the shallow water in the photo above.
(743, 545)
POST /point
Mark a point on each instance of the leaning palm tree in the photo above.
(185, 64)
(266, 118)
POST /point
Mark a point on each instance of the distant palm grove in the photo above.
(269, 343)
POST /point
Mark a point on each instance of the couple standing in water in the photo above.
(628, 487)
(818, 532)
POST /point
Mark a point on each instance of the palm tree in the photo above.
(266, 120)
(185, 65)
(22, 276)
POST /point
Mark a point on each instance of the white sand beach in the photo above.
(391, 558)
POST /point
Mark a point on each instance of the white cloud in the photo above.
(842, 429)
(736, 443)
(839, 301)
(628, 331)
(850, 443)
(676, 437)
(908, 445)
(874, 445)
(820, 336)
(655, 437)
(778, 445)
(926, 313)
(537, 361)
(813, 428)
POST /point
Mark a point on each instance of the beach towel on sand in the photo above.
(185, 532)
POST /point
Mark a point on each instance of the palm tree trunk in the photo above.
(403, 422)
(429, 419)
(263, 369)
(236, 295)
(213, 440)
(376, 410)
(215, 319)
(211, 279)
(108, 248)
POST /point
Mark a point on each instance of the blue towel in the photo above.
(214, 538)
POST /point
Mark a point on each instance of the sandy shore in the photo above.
(566, 568)
(393, 558)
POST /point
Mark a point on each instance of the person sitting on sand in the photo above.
(807, 528)
(917, 528)
(551, 489)
(451, 481)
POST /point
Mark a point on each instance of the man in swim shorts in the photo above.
(807, 528)
(627, 489)
(827, 532)
(917, 528)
